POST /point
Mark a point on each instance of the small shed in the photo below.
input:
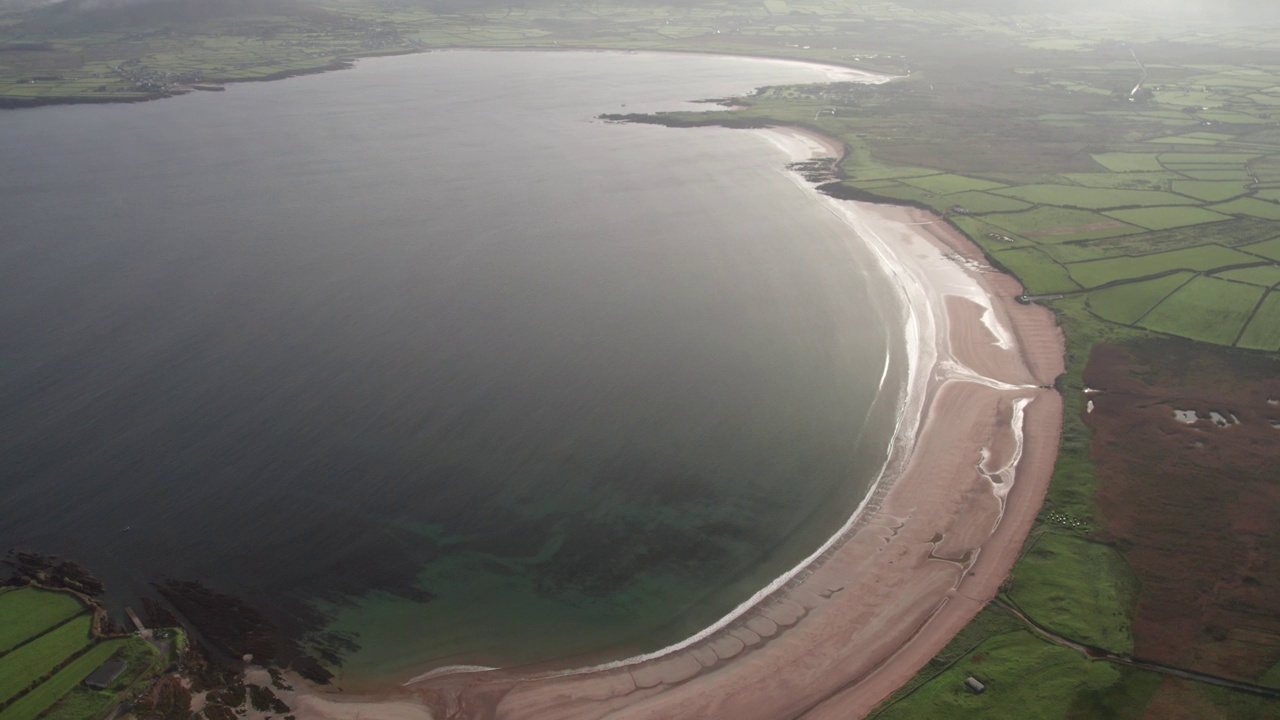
(105, 674)
(975, 685)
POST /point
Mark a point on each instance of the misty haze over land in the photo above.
(1156, 10)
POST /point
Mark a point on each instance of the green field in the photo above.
(1207, 257)
(143, 661)
(30, 611)
(29, 706)
(1263, 331)
(981, 202)
(1206, 309)
(1124, 162)
(1220, 175)
(53, 648)
(1037, 272)
(1266, 275)
(1250, 206)
(1058, 576)
(1093, 198)
(1054, 224)
(1269, 249)
(1165, 218)
(1210, 190)
(1027, 678)
(1131, 181)
(32, 661)
(1126, 304)
(877, 172)
(947, 184)
(1236, 159)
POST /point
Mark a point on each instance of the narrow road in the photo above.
(1134, 92)
(1099, 654)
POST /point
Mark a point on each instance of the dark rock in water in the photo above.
(236, 630)
(333, 647)
(49, 571)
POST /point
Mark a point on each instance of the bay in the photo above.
(428, 363)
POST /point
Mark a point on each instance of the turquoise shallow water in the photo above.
(425, 347)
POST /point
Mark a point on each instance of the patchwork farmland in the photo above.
(50, 647)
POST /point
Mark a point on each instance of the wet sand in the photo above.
(976, 447)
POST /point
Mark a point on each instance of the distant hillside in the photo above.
(117, 14)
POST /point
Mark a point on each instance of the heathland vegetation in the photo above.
(1125, 169)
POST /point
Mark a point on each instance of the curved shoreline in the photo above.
(818, 145)
(846, 628)
(346, 63)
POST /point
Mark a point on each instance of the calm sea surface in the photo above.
(425, 347)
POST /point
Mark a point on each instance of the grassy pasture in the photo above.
(1235, 118)
(81, 702)
(1127, 303)
(1165, 218)
(1269, 249)
(1250, 206)
(1182, 140)
(1189, 158)
(1126, 162)
(1070, 252)
(1210, 190)
(1236, 174)
(31, 705)
(978, 228)
(879, 184)
(1230, 233)
(1053, 224)
(982, 202)
(23, 666)
(1263, 331)
(1058, 576)
(1093, 198)
(1028, 679)
(1206, 309)
(1131, 180)
(1039, 274)
(1093, 273)
(947, 184)
(31, 611)
(1264, 276)
(877, 172)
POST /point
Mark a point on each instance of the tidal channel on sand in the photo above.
(431, 365)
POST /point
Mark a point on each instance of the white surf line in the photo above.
(787, 142)
(832, 73)
(448, 670)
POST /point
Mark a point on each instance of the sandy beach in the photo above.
(974, 452)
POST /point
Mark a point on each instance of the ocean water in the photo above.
(425, 354)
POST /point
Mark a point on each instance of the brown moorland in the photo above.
(1191, 503)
